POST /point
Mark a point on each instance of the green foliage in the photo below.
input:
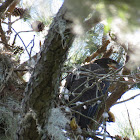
(77, 53)
(94, 38)
(138, 85)
(85, 45)
(124, 129)
(124, 3)
(139, 134)
(126, 10)
(108, 25)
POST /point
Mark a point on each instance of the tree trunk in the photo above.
(44, 83)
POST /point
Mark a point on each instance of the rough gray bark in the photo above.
(43, 85)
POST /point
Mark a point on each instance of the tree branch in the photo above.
(3, 38)
(119, 90)
(127, 99)
(5, 5)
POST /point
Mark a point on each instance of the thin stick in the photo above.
(21, 41)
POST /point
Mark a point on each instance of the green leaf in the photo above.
(107, 27)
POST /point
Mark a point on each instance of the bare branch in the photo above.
(88, 102)
(5, 5)
(85, 116)
(130, 122)
(3, 38)
(120, 89)
(102, 49)
(127, 99)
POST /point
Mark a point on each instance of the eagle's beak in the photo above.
(114, 66)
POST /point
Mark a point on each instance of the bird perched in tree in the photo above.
(85, 84)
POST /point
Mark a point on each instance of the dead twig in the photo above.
(127, 99)
(130, 121)
(88, 102)
(4, 39)
(102, 49)
(85, 116)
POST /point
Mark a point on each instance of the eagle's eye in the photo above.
(109, 61)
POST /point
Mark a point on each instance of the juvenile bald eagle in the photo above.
(86, 85)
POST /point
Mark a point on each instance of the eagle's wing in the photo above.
(84, 78)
